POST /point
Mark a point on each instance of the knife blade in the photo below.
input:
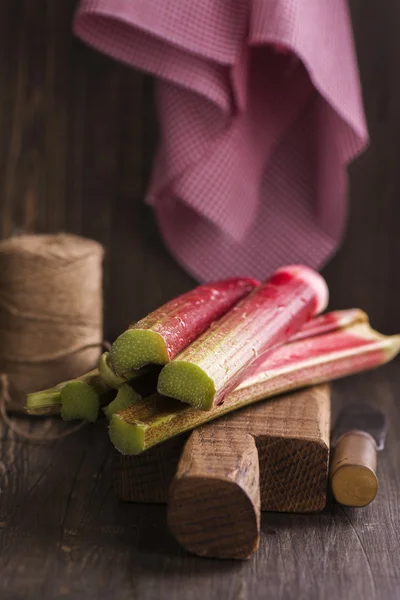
(360, 432)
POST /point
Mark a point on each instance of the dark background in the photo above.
(77, 136)
(77, 133)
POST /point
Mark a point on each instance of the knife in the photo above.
(359, 433)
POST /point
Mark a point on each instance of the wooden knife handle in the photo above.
(353, 478)
(214, 498)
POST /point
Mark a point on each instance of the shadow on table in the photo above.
(151, 541)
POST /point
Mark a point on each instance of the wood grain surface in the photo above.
(76, 144)
(273, 456)
(214, 498)
(147, 477)
(292, 438)
(78, 133)
(63, 533)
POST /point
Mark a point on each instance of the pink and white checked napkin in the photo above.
(260, 112)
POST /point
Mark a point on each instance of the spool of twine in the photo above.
(51, 311)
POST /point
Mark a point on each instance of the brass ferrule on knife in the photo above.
(353, 473)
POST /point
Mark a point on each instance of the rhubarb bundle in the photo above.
(240, 359)
(301, 363)
(83, 396)
(160, 336)
(207, 370)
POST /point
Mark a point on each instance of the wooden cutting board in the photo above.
(147, 477)
(270, 456)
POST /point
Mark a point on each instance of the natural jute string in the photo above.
(32, 437)
(50, 314)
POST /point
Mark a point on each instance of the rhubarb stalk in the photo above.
(337, 319)
(296, 365)
(111, 378)
(125, 398)
(207, 370)
(48, 402)
(160, 336)
(78, 398)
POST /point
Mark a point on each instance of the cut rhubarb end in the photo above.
(127, 438)
(138, 347)
(311, 278)
(188, 383)
(79, 401)
(125, 398)
(263, 320)
(43, 402)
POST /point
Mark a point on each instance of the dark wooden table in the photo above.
(77, 134)
(63, 534)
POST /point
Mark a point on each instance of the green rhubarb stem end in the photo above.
(125, 398)
(188, 382)
(127, 438)
(136, 348)
(79, 401)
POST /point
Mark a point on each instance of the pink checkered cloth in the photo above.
(260, 112)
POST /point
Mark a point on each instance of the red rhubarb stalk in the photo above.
(217, 361)
(306, 362)
(145, 380)
(337, 319)
(319, 359)
(159, 337)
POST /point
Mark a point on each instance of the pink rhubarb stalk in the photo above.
(207, 370)
(145, 380)
(296, 365)
(159, 337)
(337, 319)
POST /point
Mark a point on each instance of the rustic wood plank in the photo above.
(61, 495)
(273, 456)
(214, 498)
(64, 534)
(147, 477)
(363, 274)
(291, 433)
(77, 138)
(292, 437)
(293, 450)
(78, 134)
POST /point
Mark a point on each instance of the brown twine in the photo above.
(5, 399)
(55, 355)
(11, 424)
(50, 317)
(50, 311)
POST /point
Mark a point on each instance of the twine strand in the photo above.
(53, 356)
(5, 399)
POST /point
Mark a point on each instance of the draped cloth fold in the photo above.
(260, 112)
